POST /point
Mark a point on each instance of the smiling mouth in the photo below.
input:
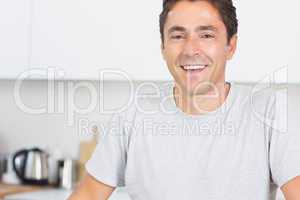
(193, 67)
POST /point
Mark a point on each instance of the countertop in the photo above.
(10, 189)
(61, 194)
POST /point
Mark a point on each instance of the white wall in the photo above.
(19, 129)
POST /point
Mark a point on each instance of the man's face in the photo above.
(195, 46)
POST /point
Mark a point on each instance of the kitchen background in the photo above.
(63, 52)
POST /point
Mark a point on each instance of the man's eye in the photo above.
(207, 36)
(177, 37)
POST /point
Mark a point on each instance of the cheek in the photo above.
(217, 53)
(171, 55)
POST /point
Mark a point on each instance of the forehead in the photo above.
(191, 14)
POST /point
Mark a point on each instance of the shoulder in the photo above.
(258, 100)
(269, 102)
(259, 94)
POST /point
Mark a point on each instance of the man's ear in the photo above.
(162, 48)
(232, 46)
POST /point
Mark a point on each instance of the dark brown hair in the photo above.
(225, 8)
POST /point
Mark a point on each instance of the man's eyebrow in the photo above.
(176, 28)
(199, 28)
(206, 28)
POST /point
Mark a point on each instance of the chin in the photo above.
(199, 87)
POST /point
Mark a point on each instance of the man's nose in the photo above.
(192, 47)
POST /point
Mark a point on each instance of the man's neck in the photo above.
(206, 101)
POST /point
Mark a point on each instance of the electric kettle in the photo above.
(31, 166)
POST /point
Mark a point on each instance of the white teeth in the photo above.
(189, 67)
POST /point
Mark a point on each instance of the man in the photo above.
(212, 139)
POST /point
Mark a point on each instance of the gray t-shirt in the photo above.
(243, 150)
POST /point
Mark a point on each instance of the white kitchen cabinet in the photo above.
(82, 37)
(14, 37)
(268, 42)
(85, 36)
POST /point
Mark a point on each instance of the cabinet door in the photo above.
(14, 37)
(85, 36)
(268, 42)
